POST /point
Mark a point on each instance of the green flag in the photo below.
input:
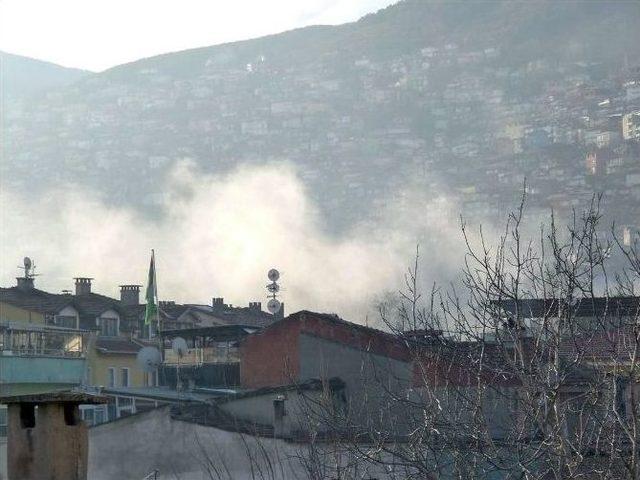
(152, 309)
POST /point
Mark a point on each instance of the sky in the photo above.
(98, 34)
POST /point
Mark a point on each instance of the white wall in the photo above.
(131, 447)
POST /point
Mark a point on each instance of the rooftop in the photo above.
(65, 396)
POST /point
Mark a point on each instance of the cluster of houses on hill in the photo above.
(51, 340)
(441, 117)
(251, 373)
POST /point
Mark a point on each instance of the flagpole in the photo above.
(155, 290)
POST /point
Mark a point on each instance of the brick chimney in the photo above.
(83, 285)
(255, 306)
(25, 283)
(217, 302)
(130, 294)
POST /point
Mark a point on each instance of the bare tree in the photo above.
(527, 370)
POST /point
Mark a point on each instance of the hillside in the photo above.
(462, 98)
(524, 30)
(23, 76)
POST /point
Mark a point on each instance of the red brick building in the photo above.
(313, 345)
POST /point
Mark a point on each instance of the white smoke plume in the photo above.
(219, 236)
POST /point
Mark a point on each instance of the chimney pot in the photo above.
(130, 294)
(83, 285)
(217, 301)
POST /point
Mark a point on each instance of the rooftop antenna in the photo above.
(273, 305)
(29, 268)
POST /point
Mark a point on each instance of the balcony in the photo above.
(32, 369)
(37, 354)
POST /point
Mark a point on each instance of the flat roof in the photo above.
(167, 394)
(65, 396)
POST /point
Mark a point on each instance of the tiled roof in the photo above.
(94, 304)
(615, 345)
(91, 305)
(227, 315)
(585, 307)
(172, 310)
(35, 300)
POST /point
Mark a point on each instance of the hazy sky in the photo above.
(97, 34)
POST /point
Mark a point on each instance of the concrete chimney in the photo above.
(130, 294)
(25, 283)
(48, 442)
(83, 285)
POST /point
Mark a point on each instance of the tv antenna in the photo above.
(29, 268)
(273, 305)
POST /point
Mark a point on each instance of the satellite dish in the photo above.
(273, 306)
(149, 359)
(27, 263)
(273, 275)
(179, 346)
(273, 288)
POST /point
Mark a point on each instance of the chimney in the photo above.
(83, 285)
(51, 442)
(280, 313)
(217, 302)
(130, 294)
(25, 283)
(255, 306)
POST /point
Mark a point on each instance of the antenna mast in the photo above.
(273, 305)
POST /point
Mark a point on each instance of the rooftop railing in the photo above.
(39, 341)
(202, 355)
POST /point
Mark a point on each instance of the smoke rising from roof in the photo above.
(219, 236)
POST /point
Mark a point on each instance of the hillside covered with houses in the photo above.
(448, 99)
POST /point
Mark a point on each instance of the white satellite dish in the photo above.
(149, 359)
(179, 346)
(273, 275)
(273, 306)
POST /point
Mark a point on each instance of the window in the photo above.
(3, 421)
(87, 415)
(124, 377)
(66, 321)
(151, 379)
(108, 326)
(111, 378)
(100, 414)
